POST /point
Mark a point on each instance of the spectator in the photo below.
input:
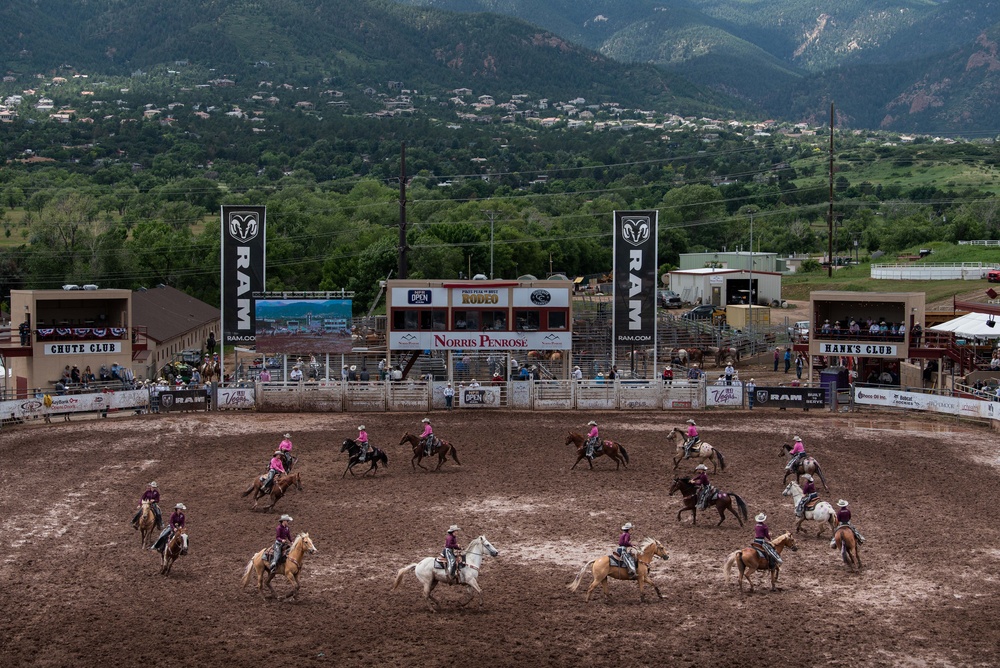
(195, 377)
(788, 359)
(296, 374)
(381, 369)
(915, 334)
(777, 357)
(265, 376)
(67, 376)
(343, 373)
(536, 373)
(525, 373)
(397, 373)
(352, 373)
(449, 395)
(729, 373)
(668, 376)
(474, 384)
(208, 396)
(798, 367)
(88, 377)
(364, 376)
(74, 375)
(577, 374)
(694, 373)
(24, 329)
(751, 389)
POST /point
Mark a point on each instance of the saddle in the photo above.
(762, 553)
(269, 555)
(810, 505)
(617, 561)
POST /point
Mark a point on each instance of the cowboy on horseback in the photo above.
(285, 452)
(808, 494)
(282, 539)
(705, 489)
(762, 537)
(844, 520)
(363, 442)
(177, 521)
(427, 437)
(797, 453)
(692, 438)
(152, 494)
(452, 551)
(625, 550)
(275, 467)
(593, 440)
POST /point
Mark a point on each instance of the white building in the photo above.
(725, 286)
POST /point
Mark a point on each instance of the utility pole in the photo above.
(829, 252)
(401, 269)
(750, 298)
(491, 214)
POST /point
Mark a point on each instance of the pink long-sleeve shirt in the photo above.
(797, 448)
(277, 465)
(692, 431)
(428, 430)
(593, 432)
(286, 446)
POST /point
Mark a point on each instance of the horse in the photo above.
(690, 355)
(147, 525)
(602, 570)
(468, 575)
(210, 370)
(845, 541)
(726, 352)
(290, 567)
(353, 451)
(749, 561)
(803, 466)
(700, 450)
(444, 449)
(278, 489)
(615, 451)
(822, 512)
(177, 546)
(723, 501)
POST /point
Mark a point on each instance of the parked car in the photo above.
(703, 312)
(993, 276)
(668, 299)
(799, 331)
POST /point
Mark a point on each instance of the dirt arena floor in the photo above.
(76, 590)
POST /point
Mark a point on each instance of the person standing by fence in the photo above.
(751, 388)
(449, 395)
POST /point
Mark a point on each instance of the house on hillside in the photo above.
(173, 321)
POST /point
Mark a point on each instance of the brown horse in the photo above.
(615, 451)
(602, 570)
(699, 451)
(723, 501)
(177, 546)
(847, 543)
(443, 450)
(803, 466)
(147, 525)
(749, 561)
(278, 489)
(290, 567)
(210, 370)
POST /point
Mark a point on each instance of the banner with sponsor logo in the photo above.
(933, 403)
(183, 400)
(243, 256)
(409, 340)
(635, 267)
(724, 395)
(73, 403)
(790, 397)
(479, 397)
(235, 398)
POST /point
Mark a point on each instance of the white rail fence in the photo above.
(933, 271)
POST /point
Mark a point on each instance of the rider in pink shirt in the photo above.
(797, 452)
(427, 437)
(274, 468)
(593, 439)
(285, 451)
(692, 436)
(363, 442)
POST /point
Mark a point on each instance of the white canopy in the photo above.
(970, 325)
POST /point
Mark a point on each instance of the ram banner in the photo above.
(635, 267)
(243, 248)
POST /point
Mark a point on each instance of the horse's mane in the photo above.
(783, 537)
(646, 542)
(299, 537)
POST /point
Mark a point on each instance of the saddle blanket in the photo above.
(618, 562)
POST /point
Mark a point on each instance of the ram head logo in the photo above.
(243, 226)
(635, 229)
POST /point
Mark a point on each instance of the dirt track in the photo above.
(77, 590)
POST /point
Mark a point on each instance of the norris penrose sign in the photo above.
(635, 266)
(460, 340)
(243, 247)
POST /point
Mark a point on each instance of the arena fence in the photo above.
(931, 402)
(45, 406)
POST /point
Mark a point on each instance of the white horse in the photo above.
(822, 512)
(429, 576)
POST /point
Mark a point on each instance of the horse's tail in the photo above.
(727, 568)
(722, 460)
(249, 490)
(400, 573)
(844, 554)
(454, 455)
(819, 472)
(384, 458)
(741, 504)
(246, 573)
(575, 584)
(624, 452)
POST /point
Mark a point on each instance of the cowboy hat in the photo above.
(285, 518)
(627, 527)
(591, 424)
(700, 467)
(361, 427)
(575, 368)
(842, 503)
(796, 439)
(180, 506)
(808, 477)
(760, 517)
(153, 484)
(690, 422)
(287, 435)
(453, 528)
(427, 420)
(354, 367)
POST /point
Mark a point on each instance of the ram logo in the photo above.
(243, 226)
(635, 229)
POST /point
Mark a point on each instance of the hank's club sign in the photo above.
(243, 242)
(635, 235)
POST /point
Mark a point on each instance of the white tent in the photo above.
(972, 325)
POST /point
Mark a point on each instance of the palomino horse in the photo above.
(749, 561)
(210, 370)
(700, 450)
(278, 489)
(147, 525)
(429, 575)
(847, 543)
(822, 512)
(602, 570)
(443, 450)
(615, 451)
(290, 567)
(177, 546)
(803, 466)
(353, 451)
(723, 501)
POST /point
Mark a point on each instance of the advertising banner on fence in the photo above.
(724, 395)
(790, 397)
(635, 266)
(933, 403)
(479, 397)
(243, 247)
(235, 398)
(183, 400)
(408, 340)
(73, 403)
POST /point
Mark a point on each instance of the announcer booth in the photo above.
(480, 329)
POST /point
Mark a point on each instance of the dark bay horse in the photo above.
(353, 451)
(615, 451)
(443, 450)
(749, 561)
(278, 489)
(723, 501)
(847, 543)
(803, 466)
(177, 546)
